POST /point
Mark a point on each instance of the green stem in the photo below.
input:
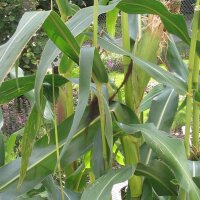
(131, 154)
(190, 80)
(195, 134)
(57, 143)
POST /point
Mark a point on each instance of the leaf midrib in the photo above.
(46, 155)
(187, 176)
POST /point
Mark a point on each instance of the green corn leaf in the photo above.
(10, 90)
(101, 188)
(174, 23)
(61, 36)
(153, 70)
(97, 155)
(171, 151)
(160, 176)
(99, 68)
(163, 109)
(175, 61)
(83, 18)
(77, 24)
(86, 63)
(162, 112)
(10, 51)
(42, 163)
(147, 191)
(30, 131)
(146, 101)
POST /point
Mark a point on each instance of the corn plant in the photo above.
(76, 157)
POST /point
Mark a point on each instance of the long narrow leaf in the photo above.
(77, 24)
(175, 60)
(42, 163)
(160, 176)
(153, 70)
(170, 150)
(10, 90)
(146, 101)
(174, 23)
(163, 109)
(30, 131)
(61, 36)
(10, 51)
(86, 63)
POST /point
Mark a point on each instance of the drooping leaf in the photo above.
(101, 188)
(171, 151)
(42, 163)
(31, 129)
(9, 52)
(146, 101)
(160, 177)
(175, 61)
(153, 70)
(50, 51)
(77, 24)
(86, 63)
(10, 90)
(174, 23)
(163, 109)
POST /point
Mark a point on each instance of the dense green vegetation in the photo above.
(88, 132)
